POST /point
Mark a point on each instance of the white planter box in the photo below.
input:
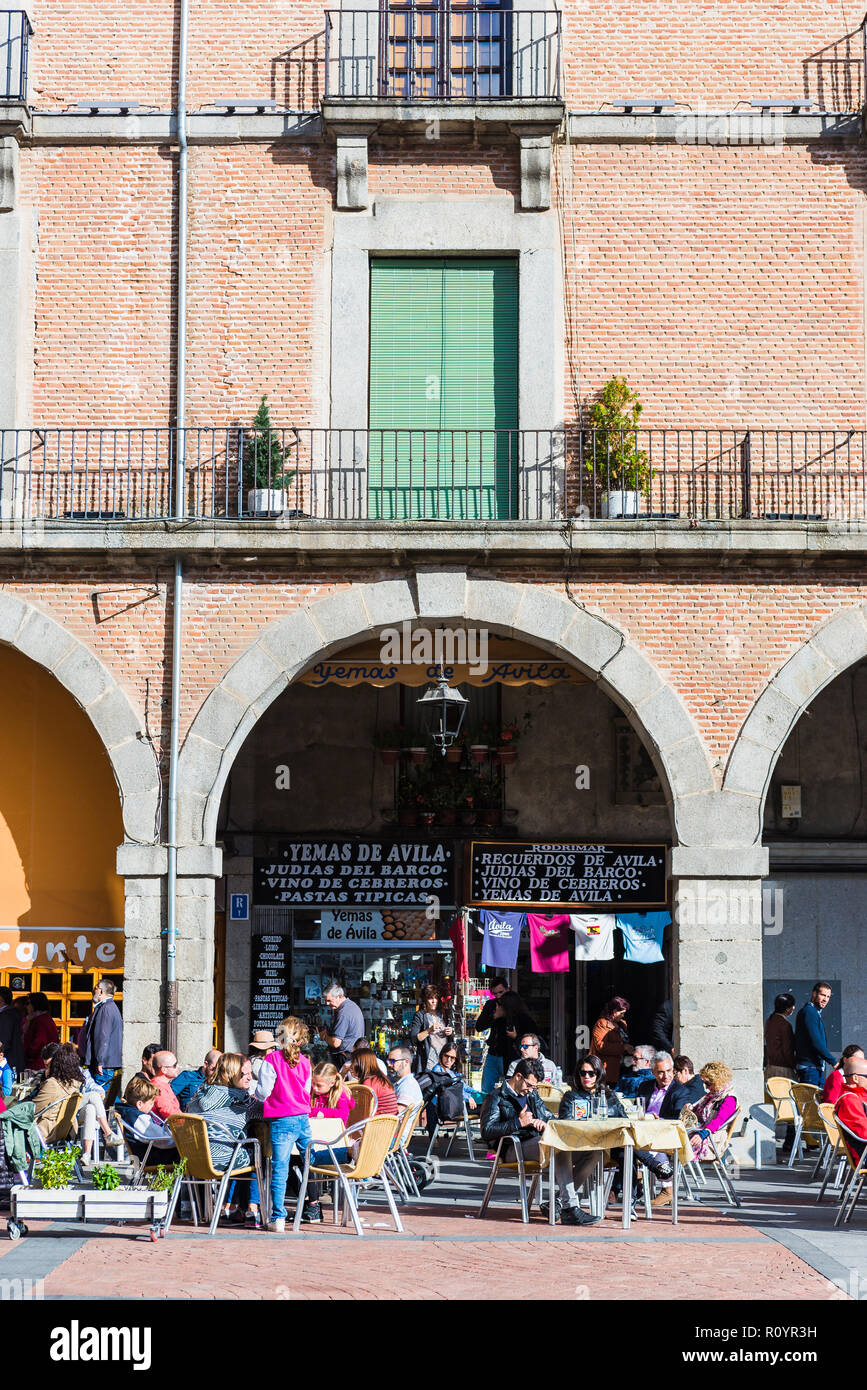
(266, 501)
(89, 1204)
(616, 504)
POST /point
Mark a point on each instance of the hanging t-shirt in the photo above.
(458, 938)
(594, 935)
(502, 938)
(549, 943)
(642, 935)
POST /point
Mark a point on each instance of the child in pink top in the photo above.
(331, 1098)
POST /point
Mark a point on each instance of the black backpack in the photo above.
(450, 1101)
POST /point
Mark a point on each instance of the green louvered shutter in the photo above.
(444, 375)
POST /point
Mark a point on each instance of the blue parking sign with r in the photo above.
(240, 907)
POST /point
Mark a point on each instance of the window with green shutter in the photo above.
(443, 388)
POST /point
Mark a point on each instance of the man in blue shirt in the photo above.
(642, 1062)
(811, 1045)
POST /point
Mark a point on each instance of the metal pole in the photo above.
(180, 509)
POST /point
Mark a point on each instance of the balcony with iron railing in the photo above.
(454, 477)
(15, 32)
(442, 52)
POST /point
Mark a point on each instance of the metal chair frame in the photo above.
(451, 1128)
(225, 1175)
(717, 1162)
(801, 1128)
(855, 1181)
(537, 1171)
(341, 1175)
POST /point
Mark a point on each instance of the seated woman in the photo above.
(366, 1070)
(444, 1073)
(588, 1084)
(64, 1078)
(714, 1111)
(227, 1107)
(836, 1079)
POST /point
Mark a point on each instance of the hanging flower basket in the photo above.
(506, 753)
(455, 753)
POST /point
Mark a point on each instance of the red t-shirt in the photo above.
(386, 1100)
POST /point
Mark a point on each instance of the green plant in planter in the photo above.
(106, 1178)
(164, 1178)
(265, 454)
(55, 1168)
(488, 791)
(611, 451)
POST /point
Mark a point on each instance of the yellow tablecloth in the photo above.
(576, 1136)
(665, 1136)
(573, 1136)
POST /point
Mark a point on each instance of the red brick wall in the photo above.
(717, 641)
(719, 51)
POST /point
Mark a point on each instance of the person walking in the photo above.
(610, 1040)
(284, 1085)
(100, 1043)
(811, 1044)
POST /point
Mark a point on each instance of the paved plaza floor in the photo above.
(779, 1245)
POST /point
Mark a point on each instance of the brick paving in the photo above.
(444, 1253)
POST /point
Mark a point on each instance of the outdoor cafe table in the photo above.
(583, 1136)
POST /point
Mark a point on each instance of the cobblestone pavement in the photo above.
(446, 1253)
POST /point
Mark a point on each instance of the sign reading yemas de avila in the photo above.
(356, 873)
(567, 877)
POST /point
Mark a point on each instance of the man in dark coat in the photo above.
(101, 1040)
(10, 1031)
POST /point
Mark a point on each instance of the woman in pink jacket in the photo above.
(284, 1086)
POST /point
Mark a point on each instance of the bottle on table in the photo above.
(603, 1105)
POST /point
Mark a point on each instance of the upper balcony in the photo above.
(15, 32)
(442, 61)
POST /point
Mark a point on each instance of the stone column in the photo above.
(17, 317)
(143, 868)
(717, 966)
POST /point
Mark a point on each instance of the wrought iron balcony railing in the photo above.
(15, 34)
(442, 51)
(453, 476)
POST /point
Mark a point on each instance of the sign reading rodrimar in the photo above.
(356, 872)
(566, 876)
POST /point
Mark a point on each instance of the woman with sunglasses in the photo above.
(588, 1085)
(446, 1073)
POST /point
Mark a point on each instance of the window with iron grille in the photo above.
(445, 49)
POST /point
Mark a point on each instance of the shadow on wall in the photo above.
(298, 75)
(834, 75)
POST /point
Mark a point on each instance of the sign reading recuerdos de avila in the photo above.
(567, 876)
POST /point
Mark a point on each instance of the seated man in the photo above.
(165, 1069)
(515, 1108)
(664, 1097)
(188, 1082)
(135, 1110)
(642, 1061)
(851, 1108)
(406, 1088)
(531, 1049)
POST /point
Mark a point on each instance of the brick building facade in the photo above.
(709, 250)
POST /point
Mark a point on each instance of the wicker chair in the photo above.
(855, 1181)
(63, 1126)
(370, 1165)
(779, 1092)
(399, 1164)
(719, 1144)
(808, 1122)
(190, 1133)
(830, 1151)
(113, 1091)
(364, 1102)
(552, 1096)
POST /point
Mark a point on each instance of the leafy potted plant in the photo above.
(612, 454)
(408, 800)
(441, 799)
(455, 751)
(489, 798)
(265, 474)
(508, 737)
(389, 743)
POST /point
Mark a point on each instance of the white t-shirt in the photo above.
(597, 944)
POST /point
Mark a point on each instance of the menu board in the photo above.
(566, 876)
(356, 873)
(270, 968)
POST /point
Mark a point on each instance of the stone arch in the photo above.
(596, 646)
(839, 643)
(90, 683)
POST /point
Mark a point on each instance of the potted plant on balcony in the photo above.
(409, 799)
(508, 737)
(441, 799)
(265, 474)
(455, 751)
(480, 742)
(466, 801)
(612, 455)
(489, 798)
(389, 742)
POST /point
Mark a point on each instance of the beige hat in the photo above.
(263, 1040)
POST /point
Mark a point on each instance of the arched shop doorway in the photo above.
(815, 828)
(61, 901)
(331, 863)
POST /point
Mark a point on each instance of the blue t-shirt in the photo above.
(502, 939)
(642, 935)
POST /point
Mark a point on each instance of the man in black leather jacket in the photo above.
(515, 1108)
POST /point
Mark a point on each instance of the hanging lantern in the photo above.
(442, 710)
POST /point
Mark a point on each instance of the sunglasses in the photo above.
(587, 1073)
(526, 1045)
